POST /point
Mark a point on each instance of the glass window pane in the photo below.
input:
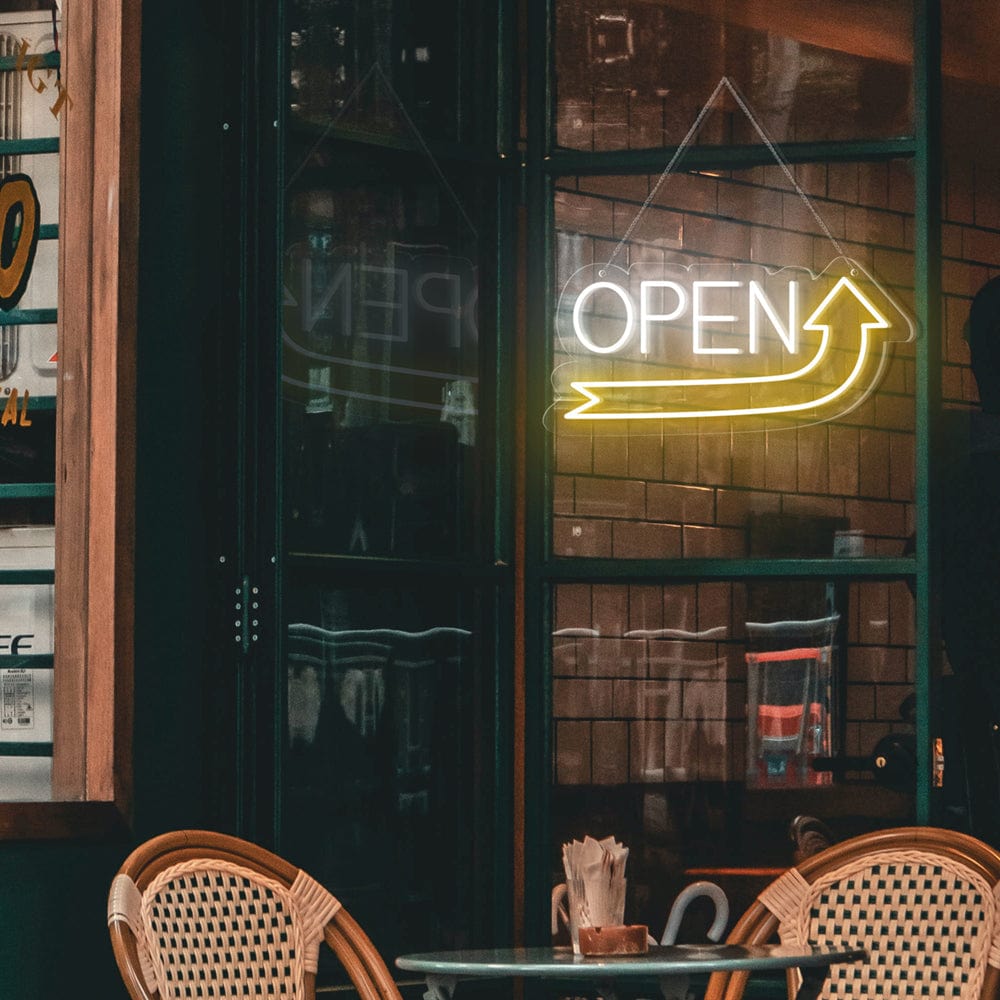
(387, 765)
(718, 407)
(28, 365)
(636, 75)
(382, 364)
(404, 68)
(654, 744)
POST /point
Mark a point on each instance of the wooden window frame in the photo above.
(95, 436)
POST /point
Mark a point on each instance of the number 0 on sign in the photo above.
(19, 218)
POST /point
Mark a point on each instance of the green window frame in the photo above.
(544, 572)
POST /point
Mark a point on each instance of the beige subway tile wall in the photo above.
(673, 657)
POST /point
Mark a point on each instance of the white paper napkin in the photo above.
(595, 879)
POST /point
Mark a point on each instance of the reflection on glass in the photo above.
(388, 67)
(657, 703)
(790, 701)
(636, 75)
(28, 379)
(383, 763)
(636, 488)
(380, 367)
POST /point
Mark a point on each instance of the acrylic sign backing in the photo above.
(714, 342)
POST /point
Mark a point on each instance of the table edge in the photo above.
(431, 963)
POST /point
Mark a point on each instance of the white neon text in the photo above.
(696, 303)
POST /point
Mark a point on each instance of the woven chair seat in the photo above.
(922, 902)
(195, 914)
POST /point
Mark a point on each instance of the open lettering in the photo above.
(678, 343)
(694, 304)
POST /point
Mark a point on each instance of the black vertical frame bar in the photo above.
(226, 673)
(258, 460)
(270, 451)
(927, 281)
(243, 223)
(505, 437)
(538, 262)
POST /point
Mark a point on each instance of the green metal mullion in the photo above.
(505, 401)
(724, 157)
(27, 317)
(347, 136)
(503, 594)
(692, 570)
(39, 60)
(507, 118)
(507, 186)
(26, 491)
(38, 403)
(24, 749)
(27, 661)
(538, 348)
(20, 577)
(271, 111)
(28, 147)
(240, 159)
(927, 280)
(379, 566)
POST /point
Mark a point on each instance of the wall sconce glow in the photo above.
(723, 341)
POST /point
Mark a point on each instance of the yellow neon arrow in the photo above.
(877, 322)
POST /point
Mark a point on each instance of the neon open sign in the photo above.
(676, 343)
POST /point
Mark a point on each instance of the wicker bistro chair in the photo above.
(197, 914)
(923, 902)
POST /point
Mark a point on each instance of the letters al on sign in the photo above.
(731, 341)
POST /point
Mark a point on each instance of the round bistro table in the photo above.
(670, 965)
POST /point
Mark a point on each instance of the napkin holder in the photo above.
(626, 939)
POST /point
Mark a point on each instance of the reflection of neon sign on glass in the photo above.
(723, 341)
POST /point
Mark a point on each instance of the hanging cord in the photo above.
(687, 140)
(426, 149)
(376, 70)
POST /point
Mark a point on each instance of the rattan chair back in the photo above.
(922, 901)
(196, 914)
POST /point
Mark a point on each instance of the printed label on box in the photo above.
(18, 687)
